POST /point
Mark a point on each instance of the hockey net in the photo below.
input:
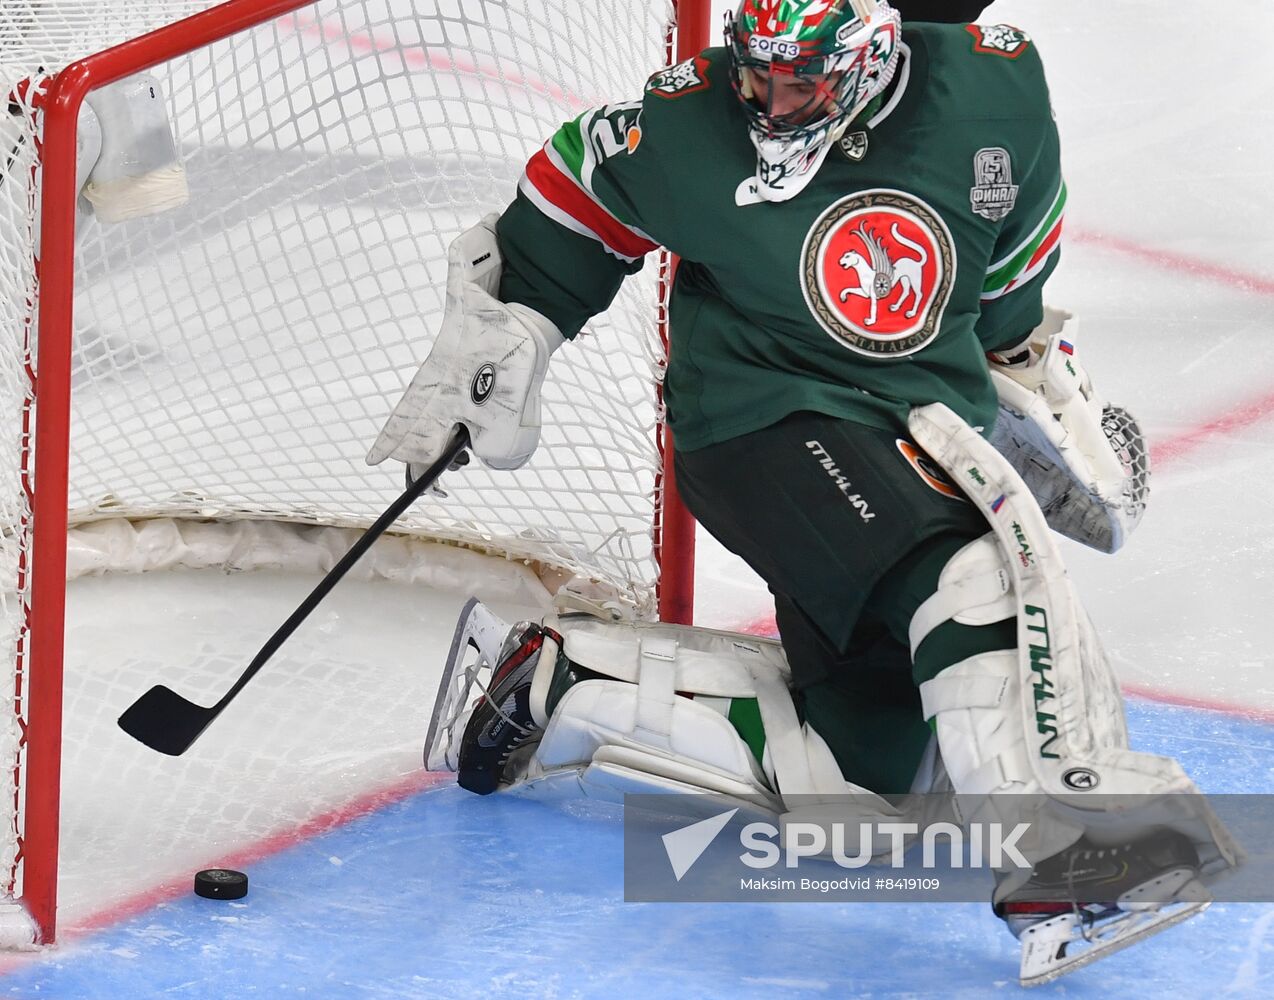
(232, 359)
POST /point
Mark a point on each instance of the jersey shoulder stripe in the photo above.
(558, 181)
(1030, 256)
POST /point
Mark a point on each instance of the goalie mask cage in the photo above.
(234, 358)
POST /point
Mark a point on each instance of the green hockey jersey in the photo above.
(921, 243)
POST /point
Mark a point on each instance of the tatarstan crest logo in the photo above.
(877, 270)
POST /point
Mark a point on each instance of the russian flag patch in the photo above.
(997, 504)
(1066, 347)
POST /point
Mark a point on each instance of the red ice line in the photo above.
(1238, 418)
(165, 892)
(345, 813)
(1168, 451)
(422, 57)
(1167, 261)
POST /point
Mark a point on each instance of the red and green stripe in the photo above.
(1029, 257)
(558, 181)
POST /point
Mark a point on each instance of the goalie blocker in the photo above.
(582, 705)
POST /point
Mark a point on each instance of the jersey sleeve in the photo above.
(576, 228)
(1027, 250)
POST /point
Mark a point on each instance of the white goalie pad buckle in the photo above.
(474, 654)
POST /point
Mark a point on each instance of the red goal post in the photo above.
(41, 571)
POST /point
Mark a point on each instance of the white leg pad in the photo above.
(598, 713)
(1048, 717)
(974, 702)
(615, 772)
(639, 720)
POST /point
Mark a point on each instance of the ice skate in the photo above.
(501, 723)
(1088, 902)
(477, 738)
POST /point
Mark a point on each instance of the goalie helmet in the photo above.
(845, 51)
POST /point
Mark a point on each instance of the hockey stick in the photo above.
(167, 722)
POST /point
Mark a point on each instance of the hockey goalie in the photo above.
(874, 410)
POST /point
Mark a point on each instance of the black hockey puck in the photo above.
(221, 883)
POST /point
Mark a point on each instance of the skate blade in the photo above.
(1041, 943)
(478, 629)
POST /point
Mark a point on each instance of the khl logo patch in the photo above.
(854, 145)
(877, 270)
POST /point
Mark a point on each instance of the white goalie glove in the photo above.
(1084, 460)
(484, 372)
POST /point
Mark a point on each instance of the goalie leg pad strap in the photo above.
(640, 708)
(656, 695)
(974, 588)
(972, 700)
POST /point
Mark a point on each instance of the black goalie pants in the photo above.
(850, 527)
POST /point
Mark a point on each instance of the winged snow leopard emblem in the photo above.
(879, 274)
(874, 247)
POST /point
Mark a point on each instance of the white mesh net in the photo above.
(235, 357)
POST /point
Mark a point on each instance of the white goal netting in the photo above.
(234, 358)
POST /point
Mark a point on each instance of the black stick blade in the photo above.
(165, 721)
